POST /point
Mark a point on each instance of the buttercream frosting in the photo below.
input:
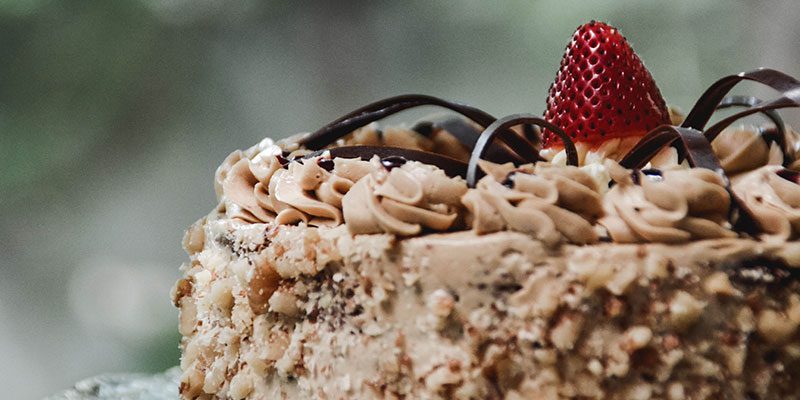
(772, 200)
(403, 200)
(267, 188)
(669, 207)
(547, 202)
(743, 149)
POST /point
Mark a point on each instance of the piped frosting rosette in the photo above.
(743, 149)
(668, 207)
(549, 203)
(267, 188)
(403, 199)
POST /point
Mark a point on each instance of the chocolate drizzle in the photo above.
(501, 127)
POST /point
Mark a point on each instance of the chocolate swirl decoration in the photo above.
(693, 146)
(708, 102)
(778, 136)
(515, 147)
(747, 148)
(697, 152)
(500, 129)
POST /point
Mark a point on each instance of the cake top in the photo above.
(608, 162)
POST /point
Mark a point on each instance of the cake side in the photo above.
(495, 316)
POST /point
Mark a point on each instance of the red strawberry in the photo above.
(602, 90)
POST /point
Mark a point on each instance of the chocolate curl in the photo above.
(501, 127)
(392, 105)
(707, 103)
(752, 101)
(777, 135)
(693, 145)
(698, 152)
(789, 99)
(450, 166)
(467, 134)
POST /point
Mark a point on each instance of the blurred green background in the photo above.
(114, 115)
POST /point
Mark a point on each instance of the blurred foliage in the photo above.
(70, 74)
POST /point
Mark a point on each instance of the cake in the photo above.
(610, 250)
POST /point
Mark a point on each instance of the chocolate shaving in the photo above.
(789, 175)
(424, 128)
(707, 103)
(450, 166)
(393, 162)
(761, 270)
(501, 126)
(326, 164)
(392, 105)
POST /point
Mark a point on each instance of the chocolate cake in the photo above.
(612, 249)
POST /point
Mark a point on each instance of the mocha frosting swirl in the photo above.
(403, 200)
(669, 207)
(743, 149)
(261, 189)
(545, 201)
(772, 200)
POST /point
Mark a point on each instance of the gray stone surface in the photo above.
(125, 387)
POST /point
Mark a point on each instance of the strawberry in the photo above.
(602, 90)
